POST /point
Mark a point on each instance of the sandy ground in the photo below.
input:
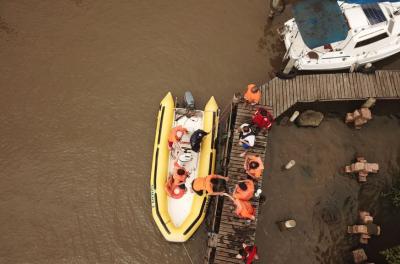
(318, 196)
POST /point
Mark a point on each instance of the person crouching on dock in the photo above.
(252, 95)
(244, 209)
(254, 166)
(247, 138)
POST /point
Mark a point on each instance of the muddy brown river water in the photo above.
(80, 85)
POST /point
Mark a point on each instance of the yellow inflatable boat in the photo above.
(178, 219)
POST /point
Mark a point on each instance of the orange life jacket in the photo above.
(204, 184)
(257, 172)
(249, 96)
(244, 209)
(179, 178)
(172, 135)
(173, 190)
(244, 195)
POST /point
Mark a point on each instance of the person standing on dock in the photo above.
(252, 95)
(247, 138)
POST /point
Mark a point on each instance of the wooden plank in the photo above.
(276, 95)
(289, 93)
(284, 99)
(349, 86)
(314, 87)
(353, 89)
(336, 81)
(364, 87)
(385, 86)
(389, 84)
(291, 87)
(326, 88)
(397, 82)
(323, 87)
(304, 88)
(269, 94)
(382, 85)
(300, 95)
(373, 84)
(294, 93)
(346, 92)
(273, 94)
(307, 88)
(318, 88)
(331, 87)
(368, 86)
(340, 88)
(279, 97)
(393, 83)
(337, 84)
(359, 85)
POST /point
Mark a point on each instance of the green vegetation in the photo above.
(394, 194)
(392, 255)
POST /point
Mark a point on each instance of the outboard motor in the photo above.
(188, 100)
(196, 138)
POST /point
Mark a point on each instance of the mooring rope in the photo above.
(191, 261)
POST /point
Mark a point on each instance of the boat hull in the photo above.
(159, 172)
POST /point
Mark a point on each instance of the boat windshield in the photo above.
(320, 22)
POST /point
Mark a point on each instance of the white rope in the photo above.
(191, 261)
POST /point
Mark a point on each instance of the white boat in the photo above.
(329, 35)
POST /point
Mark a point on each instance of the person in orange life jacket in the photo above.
(254, 166)
(262, 119)
(179, 175)
(211, 184)
(247, 138)
(252, 95)
(174, 189)
(244, 190)
(248, 253)
(175, 136)
(244, 209)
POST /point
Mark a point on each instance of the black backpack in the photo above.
(196, 138)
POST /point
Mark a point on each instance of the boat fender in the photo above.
(367, 68)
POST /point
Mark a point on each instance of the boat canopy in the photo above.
(320, 22)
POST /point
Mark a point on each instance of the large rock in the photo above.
(310, 118)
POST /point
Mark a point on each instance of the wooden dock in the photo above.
(229, 231)
(282, 94)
